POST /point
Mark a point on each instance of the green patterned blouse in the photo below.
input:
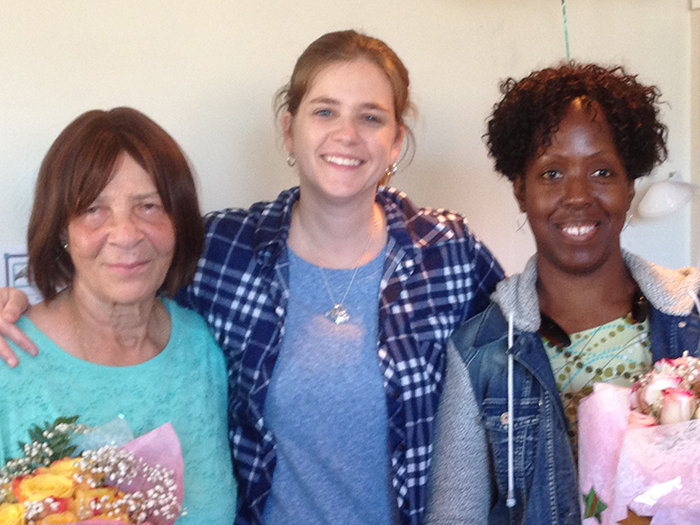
(617, 352)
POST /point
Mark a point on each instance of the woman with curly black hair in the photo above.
(572, 140)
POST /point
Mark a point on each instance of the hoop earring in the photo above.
(291, 160)
(391, 170)
(520, 221)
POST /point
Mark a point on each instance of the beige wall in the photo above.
(207, 71)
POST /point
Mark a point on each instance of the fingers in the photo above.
(13, 303)
(11, 332)
(7, 355)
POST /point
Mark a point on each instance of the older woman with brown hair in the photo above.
(115, 231)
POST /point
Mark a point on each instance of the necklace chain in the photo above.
(339, 314)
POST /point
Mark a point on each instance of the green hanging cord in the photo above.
(566, 30)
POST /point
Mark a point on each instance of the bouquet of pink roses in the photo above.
(639, 447)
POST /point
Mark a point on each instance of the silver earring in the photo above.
(628, 220)
(291, 160)
(391, 170)
(520, 221)
(66, 245)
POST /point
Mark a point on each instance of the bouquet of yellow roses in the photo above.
(139, 482)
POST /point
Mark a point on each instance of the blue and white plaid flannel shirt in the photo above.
(436, 275)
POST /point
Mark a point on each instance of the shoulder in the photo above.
(424, 225)
(439, 245)
(192, 349)
(256, 216)
(480, 331)
(188, 326)
(30, 329)
(672, 291)
(233, 236)
(428, 228)
(482, 343)
(30, 370)
(180, 316)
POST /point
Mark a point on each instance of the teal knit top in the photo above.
(186, 385)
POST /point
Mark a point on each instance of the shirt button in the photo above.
(682, 324)
(504, 419)
(382, 339)
(401, 447)
(396, 394)
(279, 311)
(405, 505)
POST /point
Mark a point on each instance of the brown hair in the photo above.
(78, 166)
(346, 46)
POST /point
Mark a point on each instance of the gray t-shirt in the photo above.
(326, 403)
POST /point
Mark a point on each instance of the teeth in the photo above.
(343, 161)
(578, 230)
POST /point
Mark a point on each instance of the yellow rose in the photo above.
(65, 467)
(41, 486)
(12, 514)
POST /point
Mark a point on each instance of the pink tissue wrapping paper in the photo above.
(654, 470)
(603, 415)
(158, 447)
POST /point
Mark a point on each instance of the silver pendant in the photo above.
(338, 314)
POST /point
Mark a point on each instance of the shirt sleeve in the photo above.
(459, 484)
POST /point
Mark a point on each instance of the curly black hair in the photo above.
(531, 110)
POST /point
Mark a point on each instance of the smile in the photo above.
(578, 231)
(342, 161)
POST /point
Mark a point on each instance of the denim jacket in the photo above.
(545, 482)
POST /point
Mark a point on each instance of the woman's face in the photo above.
(576, 193)
(344, 134)
(123, 244)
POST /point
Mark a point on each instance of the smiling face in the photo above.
(344, 134)
(123, 244)
(576, 193)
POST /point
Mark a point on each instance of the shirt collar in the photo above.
(272, 230)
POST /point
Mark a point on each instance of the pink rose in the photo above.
(678, 406)
(651, 393)
(666, 366)
(638, 420)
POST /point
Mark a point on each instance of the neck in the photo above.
(336, 235)
(579, 302)
(117, 334)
